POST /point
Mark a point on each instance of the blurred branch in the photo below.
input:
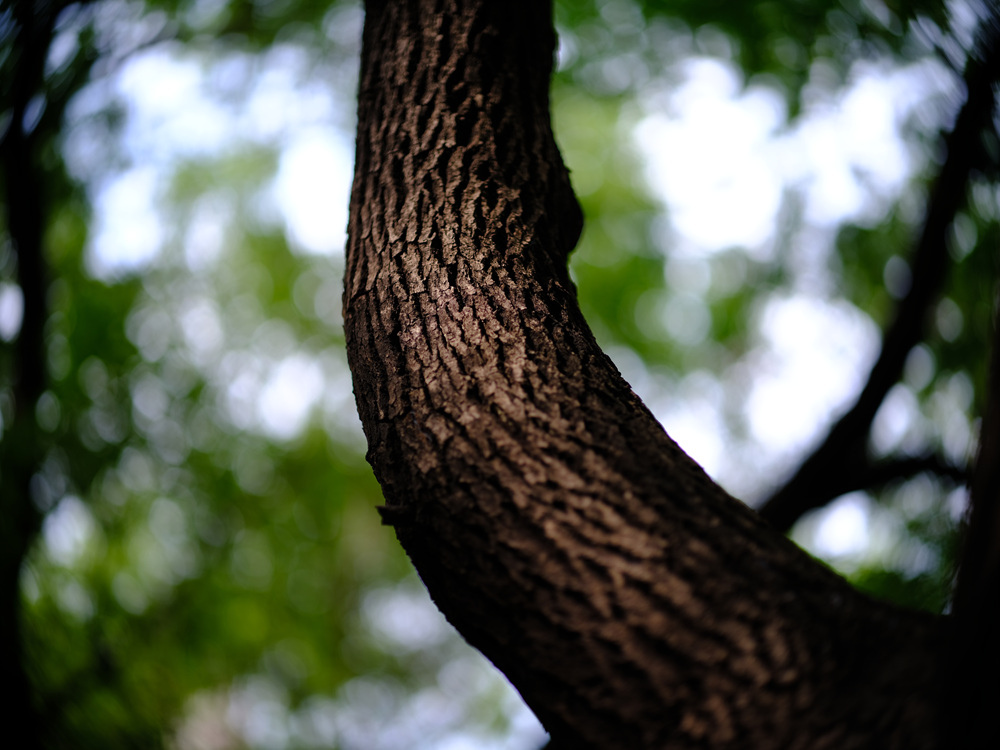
(875, 474)
(846, 442)
(864, 474)
(879, 473)
(27, 40)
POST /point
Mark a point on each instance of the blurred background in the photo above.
(188, 520)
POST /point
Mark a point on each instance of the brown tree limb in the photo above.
(846, 442)
(631, 600)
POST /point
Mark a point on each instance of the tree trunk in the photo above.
(631, 601)
(24, 204)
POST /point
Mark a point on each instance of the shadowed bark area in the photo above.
(631, 601)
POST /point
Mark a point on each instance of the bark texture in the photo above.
(631, 601)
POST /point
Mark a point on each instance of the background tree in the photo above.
(208, 564)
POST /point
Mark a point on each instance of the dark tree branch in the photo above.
(894, 469)
(871, 475)
(846, 441)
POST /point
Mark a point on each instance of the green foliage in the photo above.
(925, 555)
(778, 41)
(868, 256)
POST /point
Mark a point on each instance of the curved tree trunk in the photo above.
(631, 601)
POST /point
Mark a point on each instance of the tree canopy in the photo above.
(189, 537)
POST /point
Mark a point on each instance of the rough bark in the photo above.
(631, 601)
